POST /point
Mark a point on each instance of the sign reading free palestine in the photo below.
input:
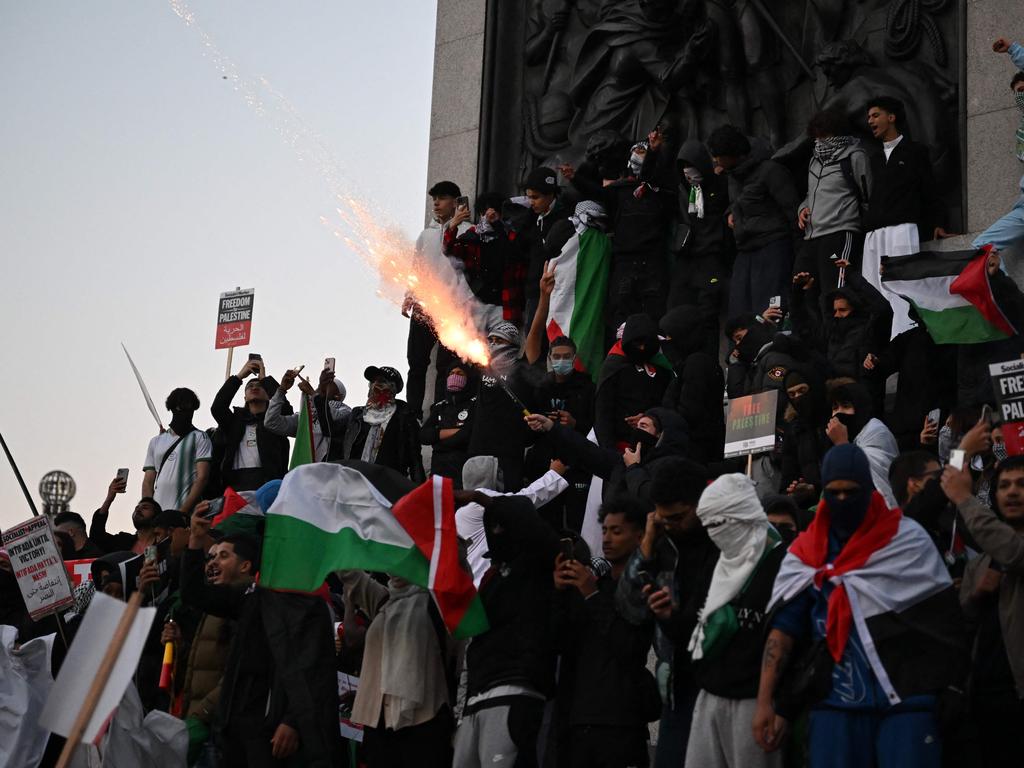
(750, 424)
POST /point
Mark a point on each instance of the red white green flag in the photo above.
(951, 293)
(577, 301)
(329, 517)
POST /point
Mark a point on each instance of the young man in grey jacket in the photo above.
(838, 181)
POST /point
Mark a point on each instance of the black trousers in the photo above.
(427, 745)
(637, 286)
(700, 281)
(606, 746)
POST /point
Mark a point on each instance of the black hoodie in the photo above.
(709, 235)
(629, 384)
(696, 391)
(516, 592)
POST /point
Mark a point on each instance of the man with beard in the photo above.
(385, 431)
(668, 577)
(630, 382)
(499, 429)
(696, 391)
(852, 422)
(253, 455)
(866, 590)
(607, 696)
(178, 460)
(142, 519)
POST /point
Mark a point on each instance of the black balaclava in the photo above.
(847, 462)
(683, 327)
(640, 328)
(181, 422)
(758, 334)
(858, 397)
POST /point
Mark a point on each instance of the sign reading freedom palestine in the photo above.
(234, 318)
(38, 567)
(1008, 386)
(750, 424)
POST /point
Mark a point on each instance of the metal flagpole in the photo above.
(17, 474)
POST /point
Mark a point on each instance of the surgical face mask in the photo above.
(456, 382)
(562, 367)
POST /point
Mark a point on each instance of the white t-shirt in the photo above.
(248, 455)
(179, 470)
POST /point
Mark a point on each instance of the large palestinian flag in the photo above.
(890, 587)
(330, 517)
(951, 294)
(577, 301)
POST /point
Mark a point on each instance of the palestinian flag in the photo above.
(240, 512)
(302, 451)
(577, 301)
(354, 516)
(889, 586)
(950, 293)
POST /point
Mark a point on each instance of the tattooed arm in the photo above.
(770, 728)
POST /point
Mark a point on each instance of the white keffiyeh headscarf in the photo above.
(732, 514)
(589, 215)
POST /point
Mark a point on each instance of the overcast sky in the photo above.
(138, 185)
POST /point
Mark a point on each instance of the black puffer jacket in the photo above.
(763, 203)
(516, 594)
(697, 389)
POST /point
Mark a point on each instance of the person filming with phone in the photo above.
(253, 455)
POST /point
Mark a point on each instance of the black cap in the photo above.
(385, 372)
(170, 518)
(542, 179)
(445, 189)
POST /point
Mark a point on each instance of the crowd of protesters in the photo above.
(853, 597)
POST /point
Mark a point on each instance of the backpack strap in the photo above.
(170, 450)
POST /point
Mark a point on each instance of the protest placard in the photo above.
(1008, 386)
(80, 570)
(38, 567)
(234, 318)
(750, 424)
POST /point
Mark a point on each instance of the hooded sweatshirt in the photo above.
(629, 382)
(835, 204)
(870, 435)
(763, 202)
(708, 235)
(696, 391)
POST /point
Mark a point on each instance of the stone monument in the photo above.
(521, 83)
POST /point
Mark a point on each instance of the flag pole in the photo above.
(227, 368)
(99, 682)
(750, 465)
(21, 480)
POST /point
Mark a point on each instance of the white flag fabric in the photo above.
(83, 660)
(25, 682)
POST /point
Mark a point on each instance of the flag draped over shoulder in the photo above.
(302, 451)
(951, 294)
(578, 298)
(330, 517)
(888, 568)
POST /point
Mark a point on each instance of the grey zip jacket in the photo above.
(830, 196)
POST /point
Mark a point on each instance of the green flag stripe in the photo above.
(960, 325)
(587, 324)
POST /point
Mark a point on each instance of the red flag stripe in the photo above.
(973, 285)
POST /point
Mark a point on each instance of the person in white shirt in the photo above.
(178, 460)
(481, 473)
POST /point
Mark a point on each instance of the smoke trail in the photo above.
(407, 275)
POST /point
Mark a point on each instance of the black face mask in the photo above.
(646, 439)
(853, 423)
(181, 422)
(639, 356)
(788, 534)
(847, 514)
